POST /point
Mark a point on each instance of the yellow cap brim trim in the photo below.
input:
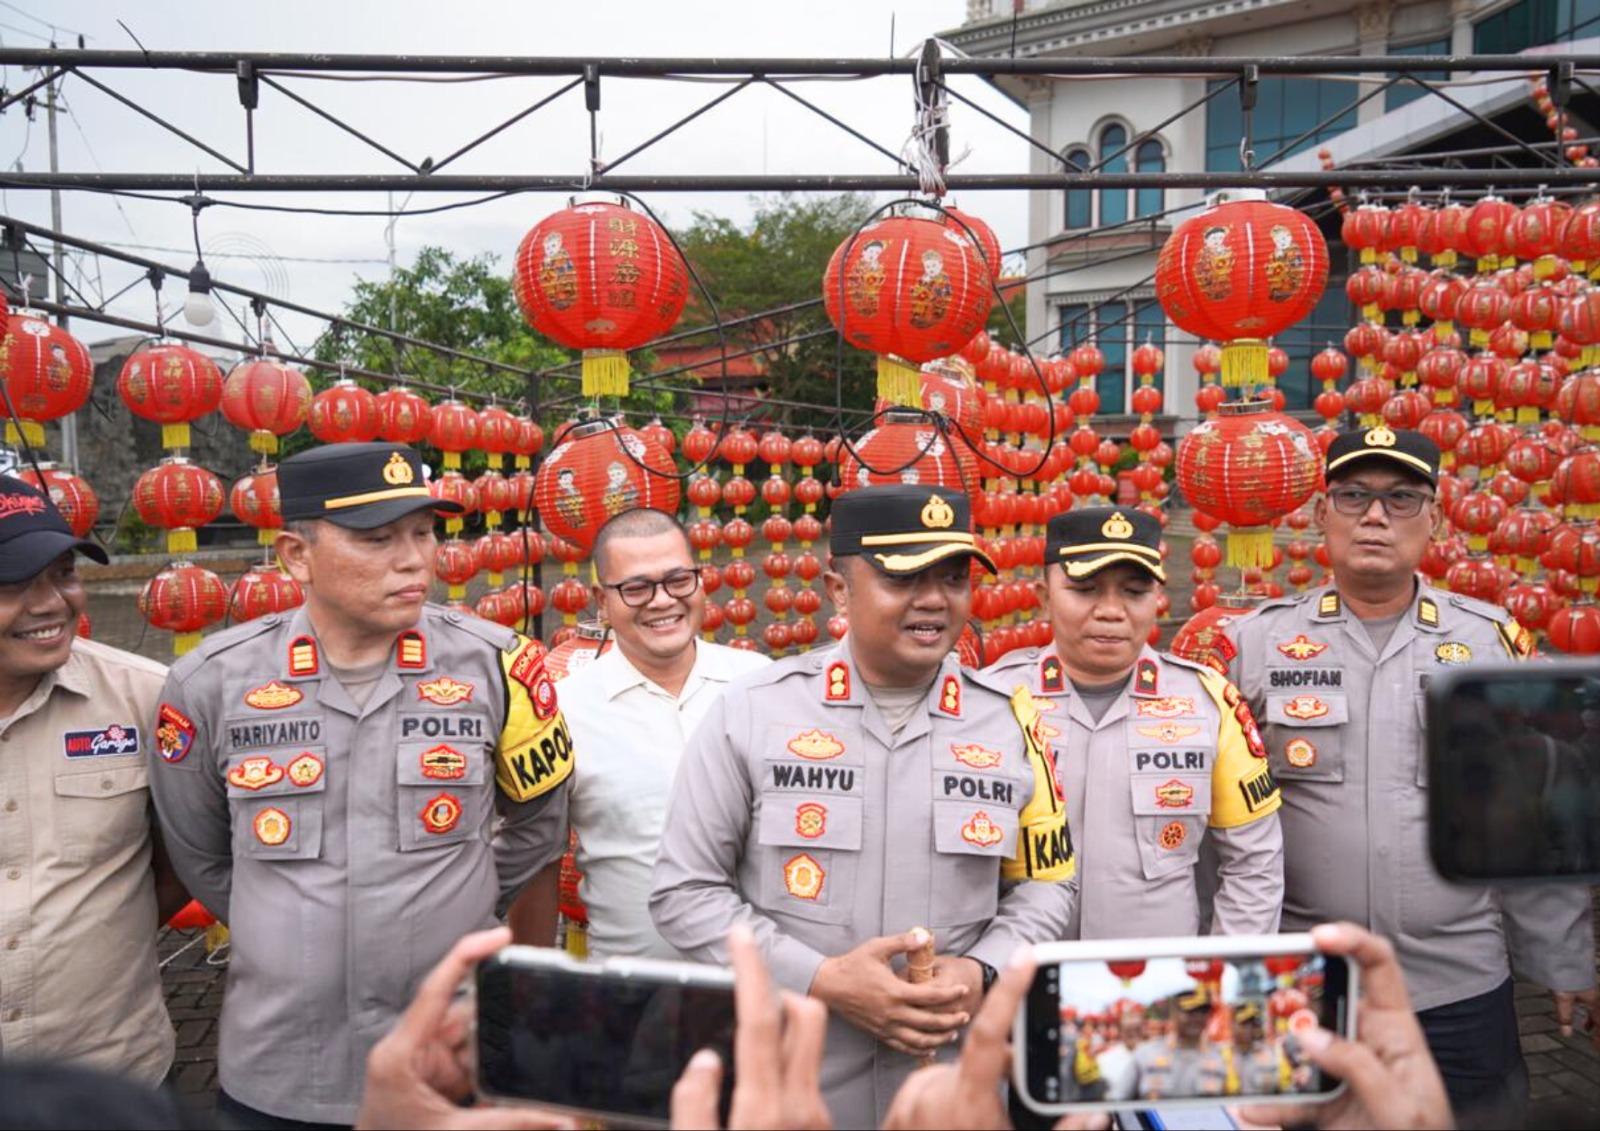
(913, 563)
(1079, 570)
(376, 497)
(955, 537)
(1125, 547)
(1421, 465)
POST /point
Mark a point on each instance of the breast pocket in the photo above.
(970, 839)
(810, 851)
(277, 800)
(1305, 736)
(1169, 812)
(442, 797)
(99, 812)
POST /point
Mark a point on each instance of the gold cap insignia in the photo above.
(937, 513)
(1379, 437)
(397, 472)
(1117, 527)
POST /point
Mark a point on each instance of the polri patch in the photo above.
(1174, 794)
(1172, 835)
(1168, 708)
(443, 763)
(1300, 752)
(272, 827)
(1302, 648)
(174, 733)
(254, 773)
(444, 691)
(981, 831)
(810, 819)
(803, 877)
(306, 770)
(815, 745)
(1305, 707)
(1453, 652)
(118, 738)
(441, 814)
(978, 757)
(273, 696)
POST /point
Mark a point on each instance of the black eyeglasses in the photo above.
(636, 592)
(1400, 502)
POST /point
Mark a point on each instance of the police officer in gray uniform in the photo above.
(835, 800)
(1338, 679)
(1157, 755)
(352, 786)
(1184, 1063)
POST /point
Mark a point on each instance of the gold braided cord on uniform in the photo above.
(1230, 1080)
(1044, 816)
(1235, 765)
(533, 755)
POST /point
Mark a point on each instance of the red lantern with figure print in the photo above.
(404, 417)
(178, 496)
(266, 398)
(598, 469)
(47, 372)
(71, 494)
(254, 500)
(172, 385)
(261, 590)
(344, 413)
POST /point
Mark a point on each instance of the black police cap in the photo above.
(1087, 539)
(1410, 450)
(903, 529)
(360, 486)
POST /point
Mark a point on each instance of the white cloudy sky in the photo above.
(755, 131)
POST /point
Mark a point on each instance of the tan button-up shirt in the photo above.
(79, 979)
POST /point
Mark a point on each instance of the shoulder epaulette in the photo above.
(441, 619)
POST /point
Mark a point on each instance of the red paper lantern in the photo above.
(71, 494)
(171, 385)
(909, 290)
(1240, 272)
(178, 496)
(344, 413)
(267, 399)
(47, 371)
(184, 598)
(261, 590)
(1576, 630)
(594, 471)
(497, 434)
(254, 500)
(906, 448)
(603, 279)
(453, 429)
(404, 417)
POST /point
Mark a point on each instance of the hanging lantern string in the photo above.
(926, 150)
(155, 276)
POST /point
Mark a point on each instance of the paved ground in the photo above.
(1565, 1072)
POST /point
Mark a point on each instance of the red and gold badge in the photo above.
(543, 693)
(950, 695)
(302, 656)
(1172, 835)
(410, 651)
(1300, 648)
(305, 770)
(815, 745)
(803, 876)
(1052, 679)
(444, 763)
(1305, 707)
(444, 691)
(978, 757)
(1174, 794)
(837, 687)
(441, 814)
(981, 831)
(271, 826)
(273, 696)
(810, 819)
(174, 733)
(1167, 732)
(1300, 752)
(255, 773)
(1145, 677)
(1168, 708)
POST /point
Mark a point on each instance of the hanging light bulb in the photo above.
(197, 307)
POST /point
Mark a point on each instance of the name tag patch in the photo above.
(118, 738)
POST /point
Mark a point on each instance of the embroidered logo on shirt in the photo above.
(1174, 794)
(444, 763)
(1300, 752)
(981, 831)
(1168, 708)
(410, 650)
(810, 819)
(1453, 652)
(1172, 835)
(445, 691)
(302, 656)
(305, 770)
(174, 733)
(838, 682)
(815, 745)
(272, 826)
(950, 696)
(118, 738)
(1305, 707)
(1052, 679)
(803, 876)
(273, 696)
(978, 757)
(441, 814)
(255, 773)
(1167, 732)
(1301, 648)
(1144, 677)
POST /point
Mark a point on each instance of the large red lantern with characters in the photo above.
(344, 413)
(909, 290)
(603, 279)
(404, 417)
(71, 494)
(261, 590)
(178, 496)
(184, 598)
(171, 385)
(599, 469)
(1249, 466)
(47, 371)
(254, 499)
(267, 399)
(1239, 272)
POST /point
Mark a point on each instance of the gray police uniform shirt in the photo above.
(796, 811)
(348, 848)
(1344, 728)
(1173, 762)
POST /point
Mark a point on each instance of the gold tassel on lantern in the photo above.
(185, 642)
(900, 382)
(268, 535)
(181, 540)
(605, 373)
(32, 432)
(175, 435)
(264, 442)
(1244, 362)
(1250, 547)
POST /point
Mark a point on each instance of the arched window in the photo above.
(1113, 201)
(1149, 201)
(1079, 206)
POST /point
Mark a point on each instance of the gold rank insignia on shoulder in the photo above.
(950, 695)
(410, 650)
(1428, 612)
(302, 656)
(1328, 605)
(1145, 677)
(397, 472)
(1379, 437)
(1052, 680)
(1117, 528)
(937, 514)
(836, 688)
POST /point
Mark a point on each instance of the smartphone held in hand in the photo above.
(606, 1040)
(1114, 1024)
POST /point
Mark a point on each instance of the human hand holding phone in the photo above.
(861, 987)
(1391, 1078)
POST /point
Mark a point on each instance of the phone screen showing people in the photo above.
(1161, 1029)
(596, 1042)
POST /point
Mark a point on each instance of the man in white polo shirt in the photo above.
(631, 711)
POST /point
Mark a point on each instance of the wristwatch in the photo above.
(989, 973)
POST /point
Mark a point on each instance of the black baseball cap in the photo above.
(1087, 539)
(32, 532)
(1411, 450)
(360, 486)
(902, 528)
